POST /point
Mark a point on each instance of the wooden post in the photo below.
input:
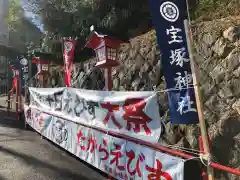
(29, 69)
(17, 95)
(108, 87)
(9, 102)
(204, 174)
(9, 89)
(198, 98)
(43, 83)
(108, 78)
(20, 94)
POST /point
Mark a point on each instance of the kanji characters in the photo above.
(117, 156)
(25, 76)
(134, 114)
(185, 105)
(173, 34)
(110, 114)
(178, 56)
(183, 81)
(104, 150)
(131, 157)
(157, 173)
(25, 69)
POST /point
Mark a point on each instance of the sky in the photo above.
(35, 19)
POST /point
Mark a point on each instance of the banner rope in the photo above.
(160, 91)
(195, 152)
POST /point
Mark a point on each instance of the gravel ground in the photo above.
(25, 156)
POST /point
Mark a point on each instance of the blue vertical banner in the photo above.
(23, 66)
(168, 20)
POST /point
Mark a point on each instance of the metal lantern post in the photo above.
(43, 69)
(106, 49)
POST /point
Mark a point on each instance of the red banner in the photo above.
(15, 78)
(68, 54)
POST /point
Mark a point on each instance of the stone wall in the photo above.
(218, 59)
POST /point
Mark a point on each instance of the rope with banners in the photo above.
(177, 150)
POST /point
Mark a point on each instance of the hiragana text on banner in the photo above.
(122, 159)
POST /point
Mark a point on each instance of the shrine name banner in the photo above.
(135, 114)
(168, 18)
(122, 159)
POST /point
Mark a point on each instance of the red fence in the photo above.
(159, 147)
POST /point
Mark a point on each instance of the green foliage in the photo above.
(15, 13)
(126, 18)
(67, 18)
(73, 18)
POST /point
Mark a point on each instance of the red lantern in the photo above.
(106, 49)
(43, 69)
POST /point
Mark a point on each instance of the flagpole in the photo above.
(198, 101)
(204, 134)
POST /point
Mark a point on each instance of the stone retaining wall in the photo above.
(218, 59)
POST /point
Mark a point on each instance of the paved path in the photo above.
(25, 156)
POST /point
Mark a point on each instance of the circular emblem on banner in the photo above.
(169, 11)
(60, 132)
(23, 61)
(68, 46)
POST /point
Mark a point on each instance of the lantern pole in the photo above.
(9, 90)
(64, 69)
(20, 92)
(30, 67)
(43, 80)
(108, 78)
(17, 94)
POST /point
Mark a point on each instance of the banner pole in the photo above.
(17, 98)
(20, 94)
(198, 100)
